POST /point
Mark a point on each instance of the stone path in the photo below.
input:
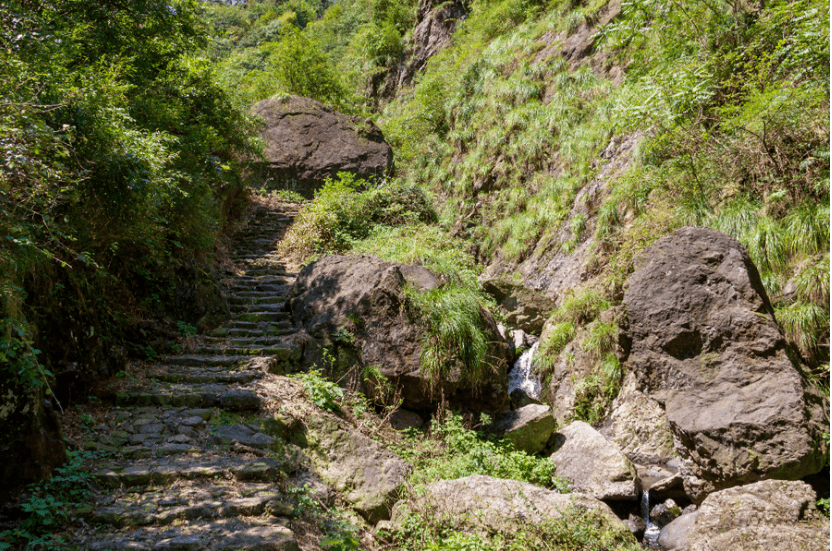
(188, 462)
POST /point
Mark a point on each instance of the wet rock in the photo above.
(595, 465)
(706, 346)
(528, 428)
(307, 142)
(520, 398)
(664, 513)
(636, 525)
(367, 474)
(672, 487)
(766, 515)
(483, 503)
(364, 296)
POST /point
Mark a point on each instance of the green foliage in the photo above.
(120, 164)
(595, 393)
(345, 210)
(581, 309)
(323, 393)
(578, 529)
(52, 505)
(454, 334)
(456, 452)
(319, 78)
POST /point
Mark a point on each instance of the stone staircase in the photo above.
(187, 461)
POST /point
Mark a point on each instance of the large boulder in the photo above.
(307, 142)
(766, 516)
(494, 505)
(528, 428)
(706, 346)
(522, 307)
(594, 465)
(366, 474)
(354, 308)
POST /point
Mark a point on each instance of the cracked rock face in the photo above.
(772, 514)
(594, 465)
(307, 142)
(706, 346)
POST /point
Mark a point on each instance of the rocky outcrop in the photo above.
(638, 425)
(706, 346)
(522, 307)
(494, 505)
(772, 514)
(594, 465)
(528, 428)
(436, 21)
(365, 473)
(307, 142)
(354, 308)
(578, 362)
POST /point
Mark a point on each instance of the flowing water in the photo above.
(522, 376)
(652, 531)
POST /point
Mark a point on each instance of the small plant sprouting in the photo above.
(323, 393)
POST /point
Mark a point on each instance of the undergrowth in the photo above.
(52, 505)
(454, 451)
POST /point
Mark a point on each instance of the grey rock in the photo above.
(152, 428)
(768, 515)
(180, 543)
(367, 474)
(594, 465)
(179, 439)
(528, 428)
(706, 346)
(331, 293)
(403, 419)
(307, 142)
(193, 421)
(674, 536)
(244, 435)
(483, 503)
(664, 513)
(239, 400)
(522, 307)
(636, 525)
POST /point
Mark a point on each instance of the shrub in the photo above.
(345, 210)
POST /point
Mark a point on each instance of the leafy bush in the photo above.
(344, 211)
(455, 452)
(52, 504)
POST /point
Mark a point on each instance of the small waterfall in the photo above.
(652, 531)
(521, 375)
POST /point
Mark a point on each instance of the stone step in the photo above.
(202, 376)
(284, 352)
(167, 470)
(259, 289)
(221, 534)
(284, 346)
(259, 330)
(257, 308)
(192, 396)
(201, 360)
(162, 508)
(262, 300)
(258, 317)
